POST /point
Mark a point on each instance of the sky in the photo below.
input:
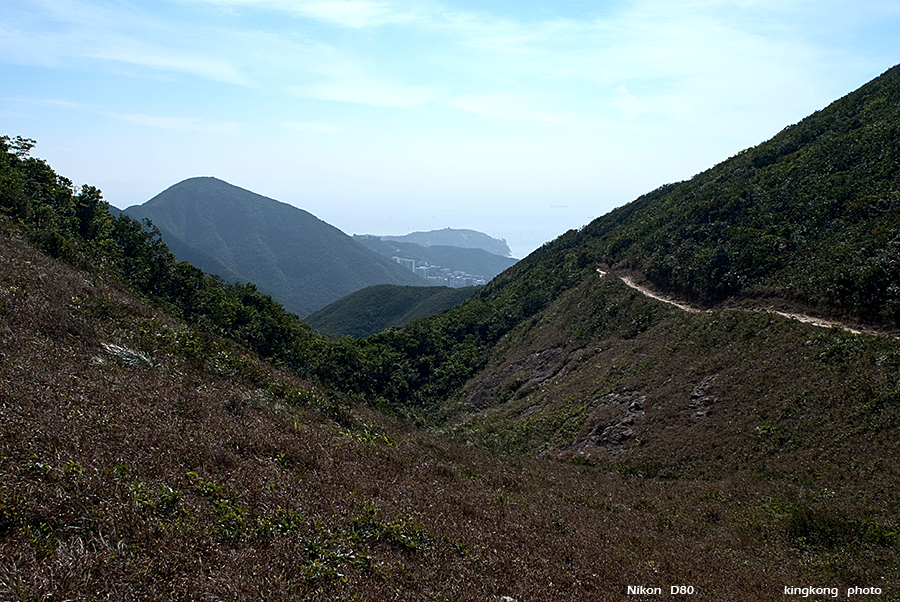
(521, 119)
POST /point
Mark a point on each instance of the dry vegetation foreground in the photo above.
(140, 460)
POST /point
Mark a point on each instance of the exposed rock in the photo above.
(610, 425)
(534, 370)
(700, 402)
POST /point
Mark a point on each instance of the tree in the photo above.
(21, 147)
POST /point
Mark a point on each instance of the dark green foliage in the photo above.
(377, 308)
(77, 226)
(404, 534)
(62, 221)
(826, 527)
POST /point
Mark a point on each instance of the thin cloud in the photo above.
(627, 102)
(86, 35)
(61, 103)
(697, 64)
(179, 124)
(486, 33)
(350, 13)
(523, 107)
(158, 58)
(310, 126)
(356, 14)
(369, 92)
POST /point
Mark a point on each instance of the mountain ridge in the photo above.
(301, 260)
(774, 219)
(455, 237)
(693, 242)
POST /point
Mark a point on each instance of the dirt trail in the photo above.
(656, 296)
(821, 322)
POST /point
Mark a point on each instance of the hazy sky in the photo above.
(520, 118)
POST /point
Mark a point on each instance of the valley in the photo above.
(640, 404)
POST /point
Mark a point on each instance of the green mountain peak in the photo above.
(302, 261)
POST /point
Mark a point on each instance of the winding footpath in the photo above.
(820, 322)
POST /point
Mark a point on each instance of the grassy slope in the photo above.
(376, 308)
(803, 418)
(723, 390)
(186, 469)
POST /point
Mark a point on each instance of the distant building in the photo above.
(409, 264)
(438, 276)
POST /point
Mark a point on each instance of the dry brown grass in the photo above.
(204, 474)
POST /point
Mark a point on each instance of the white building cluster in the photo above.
(438, 276)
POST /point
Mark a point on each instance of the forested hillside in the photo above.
(378, 308)
(811, 216)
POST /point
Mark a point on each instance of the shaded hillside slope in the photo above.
(384, 306)
(303, 262)
(477, 262)
(192, 255)
(203, 260)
